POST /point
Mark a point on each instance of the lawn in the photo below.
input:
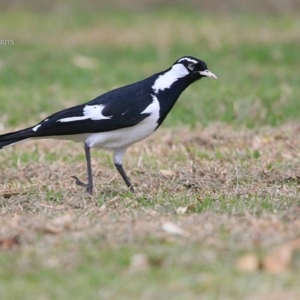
(216, 209)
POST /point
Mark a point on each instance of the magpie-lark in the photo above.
(119, 118)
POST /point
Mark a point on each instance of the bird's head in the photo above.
(196, 68)
(182, 73)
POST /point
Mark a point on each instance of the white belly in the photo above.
(120, 138)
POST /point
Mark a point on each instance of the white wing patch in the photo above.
(93, 112)
(35, 128)
(152, 108)
(188, 59)
(166, 80)
(124, 137)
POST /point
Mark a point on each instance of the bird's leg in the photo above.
(124, 176)
(118, 155)
(89, 185)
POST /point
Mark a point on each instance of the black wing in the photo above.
(123, 106)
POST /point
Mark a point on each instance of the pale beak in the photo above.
(207, 73)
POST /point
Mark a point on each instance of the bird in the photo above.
(118, 118)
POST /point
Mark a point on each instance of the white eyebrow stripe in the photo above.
(188, 59)
(93, 112)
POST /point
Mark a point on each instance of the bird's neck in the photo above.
(167, 88)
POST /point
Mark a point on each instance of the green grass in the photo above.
(229, 142)
(256, 60)
(107, 272)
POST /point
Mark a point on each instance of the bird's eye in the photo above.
(191, 66)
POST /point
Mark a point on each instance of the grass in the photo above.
(243, 52)
(228, 153)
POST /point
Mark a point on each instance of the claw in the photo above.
(89, 189)
(79, 182)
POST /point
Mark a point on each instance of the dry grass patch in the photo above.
(223, 192)
(238, 174)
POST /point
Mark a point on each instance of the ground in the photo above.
(206, 200)
(215, 213)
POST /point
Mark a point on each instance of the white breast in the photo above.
(126, 136)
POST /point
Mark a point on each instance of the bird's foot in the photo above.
(89, 188)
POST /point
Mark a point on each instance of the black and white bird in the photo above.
(119, 118)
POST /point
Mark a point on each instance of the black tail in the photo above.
(15, 137)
